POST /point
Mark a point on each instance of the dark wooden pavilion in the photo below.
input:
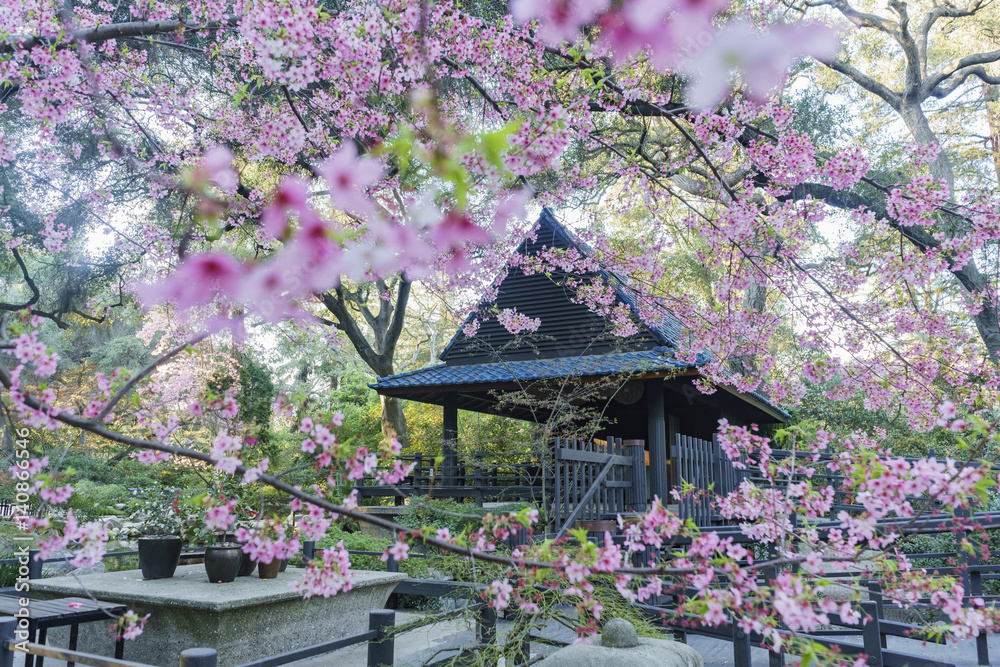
(642, 391)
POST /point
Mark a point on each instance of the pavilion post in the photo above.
(636, 495)
(657, 428)
(449, 440)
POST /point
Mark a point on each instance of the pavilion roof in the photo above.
(571, 341)
(632, 363)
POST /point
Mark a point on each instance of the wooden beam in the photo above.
(449, 439)
(757, 403)
(657, 439)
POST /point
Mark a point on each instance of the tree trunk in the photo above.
(386, 326)
(916, 121)
(393, 420)
(991, 94)
(754, 299)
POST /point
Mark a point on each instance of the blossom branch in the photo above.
(114, 31)
(152, 366)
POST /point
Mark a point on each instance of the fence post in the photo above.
(308, 551)
(478, 482)
(875, 595)
(34, 564)
(637, 493)
(418, 471)
(771, 574)
(381, 651)
(486, 625)
(8, 625)
(871, 634)
(719, 463)
(741, 647)
(982, 640)
(392, 565)
(199, 657)
(972, 578)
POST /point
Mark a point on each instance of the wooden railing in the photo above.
(703, 465)
(480, 476)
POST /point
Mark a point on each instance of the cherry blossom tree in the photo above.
(285, 150)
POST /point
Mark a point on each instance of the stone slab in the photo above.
(391, 512)
(245, 620)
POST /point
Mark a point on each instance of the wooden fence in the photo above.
(480, 476)
(703, 465)
(594, 481)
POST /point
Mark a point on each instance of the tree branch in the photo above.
(345, 322)
(31, 285)
(127, 387)
(109, 32)
(889, 96)
(911, 51)
(395, 327)
(960, 76)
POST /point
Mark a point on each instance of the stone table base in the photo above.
(248, 619)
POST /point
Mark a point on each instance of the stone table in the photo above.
(245, 620)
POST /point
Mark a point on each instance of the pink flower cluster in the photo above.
(269, 540)
(328, 576)
(516, 322)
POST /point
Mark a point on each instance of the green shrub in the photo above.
(456, 517)
(91, 500)
(414, 567)
(8, 571)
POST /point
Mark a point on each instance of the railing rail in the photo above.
(380, 637)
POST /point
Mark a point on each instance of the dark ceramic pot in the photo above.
(284, 565)
(247, 566)
(158, 556)
(269, 570)
(222, 562)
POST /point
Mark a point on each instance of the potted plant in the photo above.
(160, 526)
(211, 525)
(222, 561)
(271, 538)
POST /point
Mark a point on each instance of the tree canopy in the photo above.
(785, 179)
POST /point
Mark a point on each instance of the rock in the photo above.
(639, 652)
(841, 593)
(619, 633)
(63, 567)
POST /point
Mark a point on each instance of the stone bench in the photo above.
(248, 619)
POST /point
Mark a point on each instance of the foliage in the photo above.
(850, 414)
(8, 571)
(92, 499)
(99, 467)
(156, 510)
(292, 162)
(256, 392)
(414, 567)
(457, 517)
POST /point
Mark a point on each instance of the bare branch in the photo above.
(27, 279)
(911, 52)
(958, 77)
(889, 96)
(858, 18)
